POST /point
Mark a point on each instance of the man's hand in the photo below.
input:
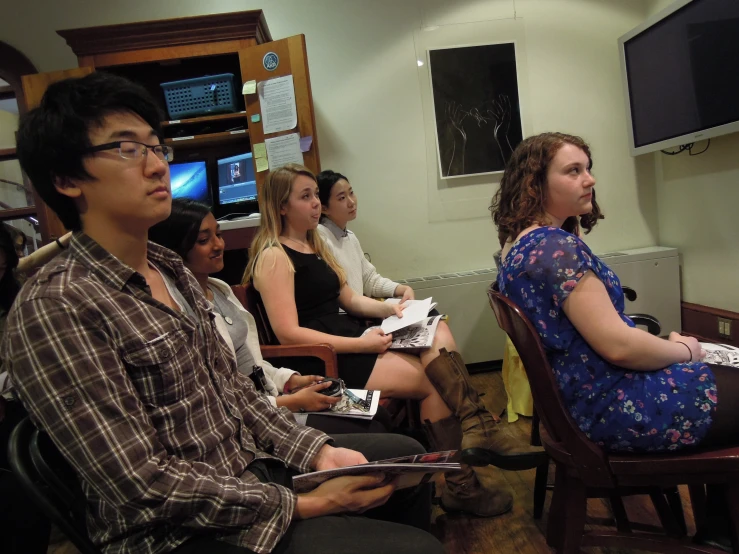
(329, 457)
(355, 494)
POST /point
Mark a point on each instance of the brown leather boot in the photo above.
(463, 491)
(482, 442)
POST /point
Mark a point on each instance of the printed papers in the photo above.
(277, 103)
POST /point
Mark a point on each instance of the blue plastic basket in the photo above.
(200, 96)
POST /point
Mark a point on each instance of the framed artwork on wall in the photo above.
(477, 109)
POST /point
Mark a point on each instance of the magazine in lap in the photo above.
(409, 470)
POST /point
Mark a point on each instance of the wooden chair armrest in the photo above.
(324, 352)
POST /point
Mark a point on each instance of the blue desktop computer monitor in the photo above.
(190, 180)
(236, 180)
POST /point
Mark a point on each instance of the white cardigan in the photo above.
(361, 275)
(275, 377)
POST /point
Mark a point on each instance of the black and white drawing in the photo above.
(721, 354)
(476, 105)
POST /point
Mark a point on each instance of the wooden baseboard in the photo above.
(702, 322)
(482, 367)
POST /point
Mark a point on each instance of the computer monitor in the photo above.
(190, 180)
(236, 180)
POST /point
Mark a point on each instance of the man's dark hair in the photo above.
(180, 230)
(52, 138)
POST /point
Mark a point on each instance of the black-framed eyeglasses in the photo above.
(133, 150)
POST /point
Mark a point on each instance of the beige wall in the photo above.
(11, 170)
(370, 121)
(698, 200)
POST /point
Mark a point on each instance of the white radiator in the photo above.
(654, 273)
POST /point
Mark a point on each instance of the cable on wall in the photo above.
(686, 147)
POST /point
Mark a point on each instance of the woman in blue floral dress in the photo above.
(627, 390)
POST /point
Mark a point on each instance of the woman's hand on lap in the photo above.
(311, 400)
(405, 292)
(375, 341)
(297, 381)
(696, 352)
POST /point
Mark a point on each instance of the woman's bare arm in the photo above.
(590, 310)
(276, 284)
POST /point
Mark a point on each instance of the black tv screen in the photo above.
(682, 74)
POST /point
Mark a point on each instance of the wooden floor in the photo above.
(516, 531)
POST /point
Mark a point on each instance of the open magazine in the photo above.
(415, 330)
(414, 311)
(721, 354)
(418, 335)
(411, 470)
(356, 403)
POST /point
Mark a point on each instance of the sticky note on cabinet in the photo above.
(256, 118)
(305, 143)
(250, 87)
(262, 164)
(260, 150)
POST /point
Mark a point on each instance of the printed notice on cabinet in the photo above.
(277, 102)
(283, 150)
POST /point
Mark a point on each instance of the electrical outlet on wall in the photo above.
(724, 327)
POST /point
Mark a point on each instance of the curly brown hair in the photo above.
(520, 200)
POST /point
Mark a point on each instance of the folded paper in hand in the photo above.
(410, 470)
(415, 311)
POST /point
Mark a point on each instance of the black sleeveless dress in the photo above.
(317, 301)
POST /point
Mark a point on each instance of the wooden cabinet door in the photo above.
(293, 60)
(34, 87)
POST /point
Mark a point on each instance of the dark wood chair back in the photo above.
(252, 301)
(567, 443)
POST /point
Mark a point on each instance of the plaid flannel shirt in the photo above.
(148, 407)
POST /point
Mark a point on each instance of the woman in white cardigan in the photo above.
(193, 233)
(339, 207)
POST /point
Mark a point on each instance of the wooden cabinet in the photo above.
(154, 52)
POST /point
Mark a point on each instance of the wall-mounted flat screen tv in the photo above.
(681, 75)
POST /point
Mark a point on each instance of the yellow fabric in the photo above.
(516, 384)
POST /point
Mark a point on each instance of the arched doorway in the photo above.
(17, 202)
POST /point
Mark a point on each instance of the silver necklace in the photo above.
(219, 309)
(304, 245)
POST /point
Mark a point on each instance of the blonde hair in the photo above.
(273, 196)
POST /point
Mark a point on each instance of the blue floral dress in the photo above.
(619, 409)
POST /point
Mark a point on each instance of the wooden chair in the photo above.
(268, 341)
(584, 470)
(269, 345)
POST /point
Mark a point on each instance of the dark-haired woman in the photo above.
(339, 207)
(23, 528)
(193, 233)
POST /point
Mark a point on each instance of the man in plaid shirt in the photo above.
(175, 449)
